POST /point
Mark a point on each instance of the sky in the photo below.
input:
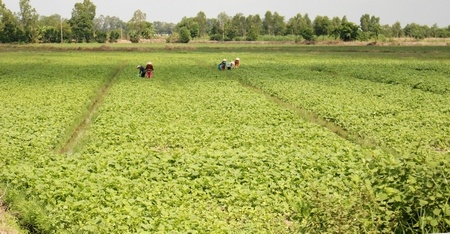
(423, 12)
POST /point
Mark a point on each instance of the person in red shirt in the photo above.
(236, 63)
(149, 69)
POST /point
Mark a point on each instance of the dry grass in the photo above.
(5, 227)
(7, 224)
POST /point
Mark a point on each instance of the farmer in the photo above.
(141, 71)
(236, 63)
(230, 65)
(149, 69)
(222, 65)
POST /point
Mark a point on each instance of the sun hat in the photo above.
(138, 66)
(237, 59)
(149, 62)
(224, 60)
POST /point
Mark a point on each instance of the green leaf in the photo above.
(423, 202)
(437, 212)
(382, 196)
(434, 222)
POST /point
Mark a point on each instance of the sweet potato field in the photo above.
(298, 139)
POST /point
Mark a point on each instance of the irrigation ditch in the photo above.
(79, 131)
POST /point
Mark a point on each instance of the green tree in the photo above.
(294, 24)
(9, 26)
(114, 36)
(375, 26)
(321, 25)
(137, 22)
(134, 36)
(215, 32)
(252, 34)
(148, 30)
(268, 23)
(278, 24)
(185, 35)
(29, 19)
(163, 28)
(348, 31)
(365, 22)
(239, 24)
(50, 28)
(111, 23)
(370, 26)
(335, 27)
(254, 27)
(202, 24)
(191, 24)
(222, 19)
(82, 21)
(397, 30)
(100, 24)
(101, 37)
(435, 31)
(386, 30)
(308, 34)
(49, 34)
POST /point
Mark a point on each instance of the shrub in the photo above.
(113, 36)
(101, 37)
(185, 35)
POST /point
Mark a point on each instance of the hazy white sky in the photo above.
(424, 12)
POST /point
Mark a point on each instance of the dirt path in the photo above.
(5, 225)
(79, 132)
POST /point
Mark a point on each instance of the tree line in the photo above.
(27, 26)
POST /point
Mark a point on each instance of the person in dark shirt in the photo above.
(222, 65)
(141, 71)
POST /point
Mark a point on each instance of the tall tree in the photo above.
(278, 24)
(163, 28)
(202, 23)
(139, 26)
(100, 24)
(190, 24)
(434, 31)
(268, 23)
(370, 25)
(348, 31)
(137, 22)
(294, 24)
(29, 19)
(397, 30)
(321, 25)
(239, 23)
(82, 21)
(375, 26)
(415, 31)
(223, 19)
(365, 22)
(50, 28)
(335, 27)
(9, 26)
(254, 27)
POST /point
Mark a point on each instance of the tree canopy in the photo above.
(84, 26)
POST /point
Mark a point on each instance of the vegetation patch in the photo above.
(196, 149)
